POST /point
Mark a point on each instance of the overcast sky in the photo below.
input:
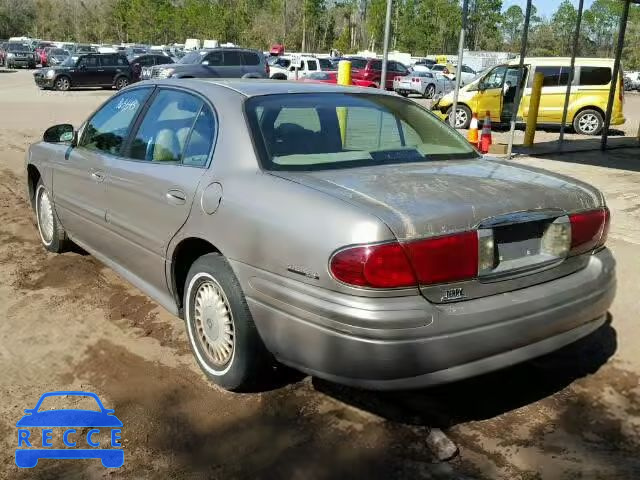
(545, 7)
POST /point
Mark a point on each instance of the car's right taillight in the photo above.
(589, 230)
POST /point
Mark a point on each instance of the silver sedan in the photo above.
(426, 84)
(342, 231)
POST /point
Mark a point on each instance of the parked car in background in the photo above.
(40, 52)
(467, 74)
(284, 69)
(220, 62)
(423, 65)
(55, 56)
(424, 83)
(436, 264)
(331, 77)
(142, 64)
(440, 68)
(19, 55)
(104, 70)
(136, 51)
(632, 81)
(370, 69)
(494, 91)
(82, 49)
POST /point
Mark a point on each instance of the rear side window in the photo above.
(554, 76)
(375, 65)
(162, 60)
(108, 128)
(113, 61)
(325, 64)
(177, 128)
(595, 75)
(312, 65)
(231, 58)
(250, 58)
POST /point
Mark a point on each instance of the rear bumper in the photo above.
(406, 342)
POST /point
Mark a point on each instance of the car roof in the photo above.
(251, 87)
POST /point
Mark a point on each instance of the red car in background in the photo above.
(370, 69)
(332, 77)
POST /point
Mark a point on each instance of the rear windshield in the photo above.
(319, 131)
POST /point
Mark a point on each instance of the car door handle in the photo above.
(97, 176)
(176, 197)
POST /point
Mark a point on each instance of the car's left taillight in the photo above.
(267, 69)
(589, 230)
(428, 261)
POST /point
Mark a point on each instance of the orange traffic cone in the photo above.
(472, 136)
(485, 138)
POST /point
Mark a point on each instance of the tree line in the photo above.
(422, 27)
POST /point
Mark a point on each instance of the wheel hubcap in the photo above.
(45, 216)
(461, 117)
(588, 123)
(214, 323)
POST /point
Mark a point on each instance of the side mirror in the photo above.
(63, 133)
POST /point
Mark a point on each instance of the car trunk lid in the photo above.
(513, 204)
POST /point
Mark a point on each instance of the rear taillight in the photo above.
(415, 80)
(443, 259)
(396, 79)
(375, 266)
(589, 230)
(267, 69)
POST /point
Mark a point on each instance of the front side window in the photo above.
(166, 129)
(214, 59)
(336, 130)
(110, 126)
(495, 78)
(595, 75)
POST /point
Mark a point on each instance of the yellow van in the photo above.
(494, 91)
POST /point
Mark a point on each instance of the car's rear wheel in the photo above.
(404, 94)
(463, 116)
(121, 82)
(588, 122)
(62, 83)
(220, 328)
(52, 233)
(430, 91)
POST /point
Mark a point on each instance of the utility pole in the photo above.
(454, 108)
(304, 26)
(284, 22)
(385, 49)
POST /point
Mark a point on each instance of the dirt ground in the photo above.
(69, 323)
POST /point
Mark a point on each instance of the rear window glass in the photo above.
(250, 58)
(595, 75)
(336, 130)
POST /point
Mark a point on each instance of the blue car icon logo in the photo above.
(29, 452)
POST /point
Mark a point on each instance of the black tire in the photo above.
(62, 83)
(467, 120)
(279, 76)
(55, 240)
(404, 94)
(430, 91)
(121, 82)
(249, 358)
(588, 122)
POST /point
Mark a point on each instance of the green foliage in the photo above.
(422, 27)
